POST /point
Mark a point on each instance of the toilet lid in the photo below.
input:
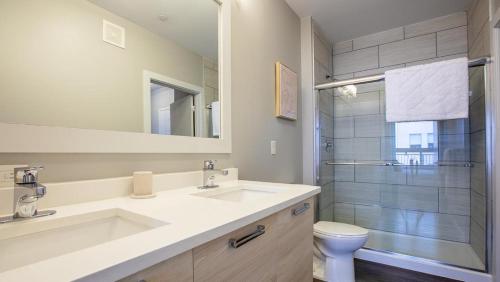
(339, 229)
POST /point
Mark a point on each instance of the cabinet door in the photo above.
(295, 242)
(254, 260)
(176, 269)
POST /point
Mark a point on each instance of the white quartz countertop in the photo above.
(192, 221)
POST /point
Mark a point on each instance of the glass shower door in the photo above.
(417, 186)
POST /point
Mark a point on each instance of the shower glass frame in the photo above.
(489, 142)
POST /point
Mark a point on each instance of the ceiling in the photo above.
(347, 19)
(193, 24)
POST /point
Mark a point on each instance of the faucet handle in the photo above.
(27, 175)
(209, 164)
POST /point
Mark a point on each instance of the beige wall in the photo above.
(263, 32)
(55, 52)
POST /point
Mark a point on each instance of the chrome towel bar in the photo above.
(466, 164)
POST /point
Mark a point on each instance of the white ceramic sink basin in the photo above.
(239, 193)
(28, 242)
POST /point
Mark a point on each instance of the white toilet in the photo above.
(337, 242)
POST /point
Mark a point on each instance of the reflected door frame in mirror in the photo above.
(20, 138)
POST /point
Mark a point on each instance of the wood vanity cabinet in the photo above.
(276, 248)
(176, 269)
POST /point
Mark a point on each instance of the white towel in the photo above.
(436, 91)
(216, 119)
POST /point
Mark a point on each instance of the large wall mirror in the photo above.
(103, 67)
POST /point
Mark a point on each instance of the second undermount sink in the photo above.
(239, 193)
(28, 242)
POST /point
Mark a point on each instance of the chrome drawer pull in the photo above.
(236, 243)
(300, 210)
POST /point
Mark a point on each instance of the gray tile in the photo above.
(443, 176)
(362, 104)
(478, 177)
(343, 76)
(478, 209)
(478, 147)
(453, 126)
(478, 240)
(476, 84)
(343, 149)
(454, 201)
(357, 193)
(378, 38)
(343, 213)
(344, 172)
(366, 149)
(377, 70)
(477, 115)
(388, 148)
(382, 102)
(410, 197)
(365, 104)
(436, 24)
(325, 173)
(326, 124)
(326, 102)
(326, 149)
(343, 127)
(372, 126)
(454, 148)
(323, 53)
(478, 17)
(439, 226)
(326, 196)
(481, 46)
(376, 217)
(370, 87)
(321, 74)
(380, 174)
(326, 214)
(452, 41)
(437, 59)
(342, 47)
(358, 60)
(409, 50)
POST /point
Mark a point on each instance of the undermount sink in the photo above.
(29, 242)
(239, 193)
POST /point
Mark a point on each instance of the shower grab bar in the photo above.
(467, 164)
(379, 77)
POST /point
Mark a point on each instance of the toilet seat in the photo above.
(337, 229)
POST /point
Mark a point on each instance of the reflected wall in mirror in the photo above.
(122, 65)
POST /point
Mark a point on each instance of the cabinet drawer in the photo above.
(250, 258)
(295, 243)
(176, 269)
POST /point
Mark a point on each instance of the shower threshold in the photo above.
(449, 259)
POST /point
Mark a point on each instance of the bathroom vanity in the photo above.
(275, 248)
(240, 231)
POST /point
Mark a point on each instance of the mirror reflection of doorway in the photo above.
(172, 111)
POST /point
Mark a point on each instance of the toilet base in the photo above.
(340, 268)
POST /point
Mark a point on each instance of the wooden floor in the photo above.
(374, 272)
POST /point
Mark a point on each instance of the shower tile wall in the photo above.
(323, 71)
(479, 43)
(478, 156)
(426, 201)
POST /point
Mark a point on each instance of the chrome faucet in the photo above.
(209, 173)
(27, 191)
